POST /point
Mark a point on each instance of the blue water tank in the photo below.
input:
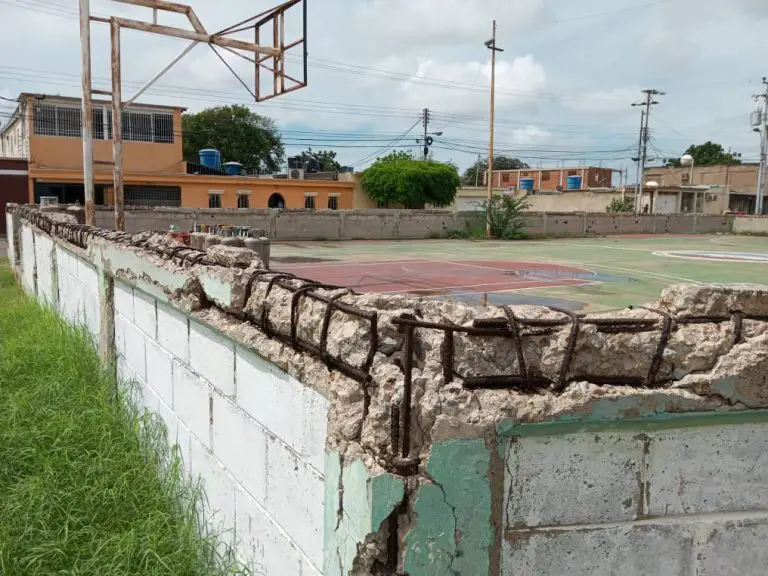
(573, 183)
(232, 168)
(526, 184)
(210, 158)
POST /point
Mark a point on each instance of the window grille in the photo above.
(309, 202)
(152, 196)
(214, 200)
(242, 201)
(333, 202)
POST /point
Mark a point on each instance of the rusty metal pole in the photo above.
(491, 44)
(117, 126)
(87, 112)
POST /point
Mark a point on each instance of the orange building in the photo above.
(46, 130)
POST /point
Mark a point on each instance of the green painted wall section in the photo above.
(365, 502)
(452, 532)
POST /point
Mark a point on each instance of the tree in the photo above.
(504, 216)
(475, 172)
(238, 133)
(325, 160)
(400, 179)
(707, 154)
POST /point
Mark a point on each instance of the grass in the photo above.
(87, 486)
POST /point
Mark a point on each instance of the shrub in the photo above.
(505, 217)
(620, 205)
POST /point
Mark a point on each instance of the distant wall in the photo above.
(410, 224)
(750, 225)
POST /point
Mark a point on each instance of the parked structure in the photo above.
(47, 131)
(553, 179)
(738, 183)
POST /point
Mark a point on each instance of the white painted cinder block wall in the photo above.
(252, 433)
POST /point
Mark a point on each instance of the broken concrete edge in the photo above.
(715, 373)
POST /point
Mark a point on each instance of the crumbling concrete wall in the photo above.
(757, 225)
(439, 438)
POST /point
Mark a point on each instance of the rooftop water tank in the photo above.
(573, 183)
(210, 158)
(526, 184)
(232, 168)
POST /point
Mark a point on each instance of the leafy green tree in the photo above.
(707, 154)
(326, 159)
(238, 133)
(400, 179)
(475, 172)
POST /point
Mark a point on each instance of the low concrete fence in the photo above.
(341, 433)
(757, 225)
(287, 225)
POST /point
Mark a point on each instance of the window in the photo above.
(545, 175)
(243, 201)
(66, 120)
(152, 196)
(309, 202)
(333, 202)
(214, 199)
(505, 177)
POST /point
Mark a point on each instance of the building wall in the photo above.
(741, 178)
(13, 142)
(13, 183)
(548, 179)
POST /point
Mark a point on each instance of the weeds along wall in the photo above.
(409, 224)
(341, 433)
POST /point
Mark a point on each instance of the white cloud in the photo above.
(430, 22)
(530, 135)
(602, 101)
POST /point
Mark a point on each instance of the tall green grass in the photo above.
(87, 486)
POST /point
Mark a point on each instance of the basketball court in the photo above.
(580, 274)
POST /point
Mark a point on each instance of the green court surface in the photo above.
(581, 274)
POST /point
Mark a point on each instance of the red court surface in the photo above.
(434, 278)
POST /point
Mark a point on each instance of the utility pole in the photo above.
(425, 122)
(760, 125)
(491, 45)
(644, 134)
(477, 172)
(87, 111)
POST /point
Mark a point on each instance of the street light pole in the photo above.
(491, 45)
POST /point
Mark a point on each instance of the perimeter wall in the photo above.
(362, 434)
(408, 224)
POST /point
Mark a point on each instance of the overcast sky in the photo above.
(565, 82)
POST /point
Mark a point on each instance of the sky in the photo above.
(565, 81)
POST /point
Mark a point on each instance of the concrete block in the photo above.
(131, 344)
(213, 357)
(173, 331)
(160, 371)
(314, 422)
(87, 275)
(295, 496)
(169, 419)
(192, 401)
(734, 549)
(709, 469)
(268, 394)
(625, 550)
(124, 300)
(145, 313)
(184, 443)
(219, 487)
(261, 544)
(595, 477)
(240, 443)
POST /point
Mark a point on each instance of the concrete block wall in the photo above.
(254, 434)
(674, 500)
(592, 480)
(750, 225)
(370, 224)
